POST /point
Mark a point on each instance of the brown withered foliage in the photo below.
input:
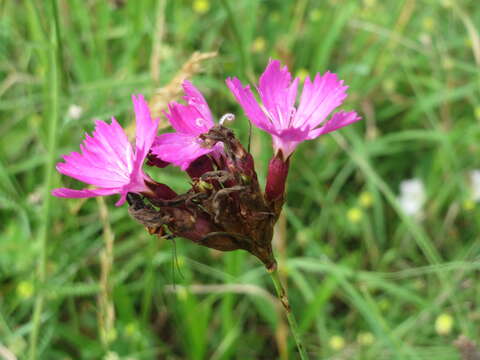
(225, 208)
(173, 90)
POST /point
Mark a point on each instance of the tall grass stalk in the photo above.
(53, 104)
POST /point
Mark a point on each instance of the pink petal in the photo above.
(249, 104)
(278, 94)
(91, 175)
(85, 193)
(146, 131)
(338, 120)
(179, 149)
(187, 119)
(285, 145)
(319, 99)
(146, 127)
(106, 159)
(195, 98)
(110, 143)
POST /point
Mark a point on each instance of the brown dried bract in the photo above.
(225, 208)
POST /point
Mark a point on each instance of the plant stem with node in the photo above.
(282, 296)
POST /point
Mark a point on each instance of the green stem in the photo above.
(282, 296)
(53, 100)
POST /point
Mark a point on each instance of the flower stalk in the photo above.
(282, 296)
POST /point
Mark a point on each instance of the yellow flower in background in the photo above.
(477, 112)
(131, 329)
(444, 324)
(201, 6)
(259, 44)
(25, 289)
(315, 15)
(428, 23)
(447, 4)
(354, 215)
(336, 342)
(365, 338)
(389, 85)
(468, 205)
(182, 293)
(365, 199)
(369, 3)
(302, 74)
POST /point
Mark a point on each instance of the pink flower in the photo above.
(184, 146)
(107, 160)
(277, 115)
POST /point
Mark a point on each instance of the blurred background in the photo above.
(379, 240)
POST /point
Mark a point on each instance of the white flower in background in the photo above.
(475, 184)
(74, 111)
(412, 197)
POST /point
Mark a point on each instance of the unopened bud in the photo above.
(276, 178)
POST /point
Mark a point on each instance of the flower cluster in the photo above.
(225, 208)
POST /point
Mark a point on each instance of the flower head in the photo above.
(277, 114)
(107, 160)
(475, 184)
(444, 324)
(412, 197)
(184, 146)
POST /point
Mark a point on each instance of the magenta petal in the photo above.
(146, 131)
(319, 99)
(106, 160)
(187, 119)
(278, 94)
(195, 98)
(249, 104)
(194, 118)
(338, 120)
(146, 127)
(286, 146)
(85, 193)
(179, 149)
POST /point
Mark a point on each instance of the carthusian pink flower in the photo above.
(277, 114)
(184, 146)
(107, 160)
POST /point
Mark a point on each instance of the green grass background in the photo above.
(413, 67)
